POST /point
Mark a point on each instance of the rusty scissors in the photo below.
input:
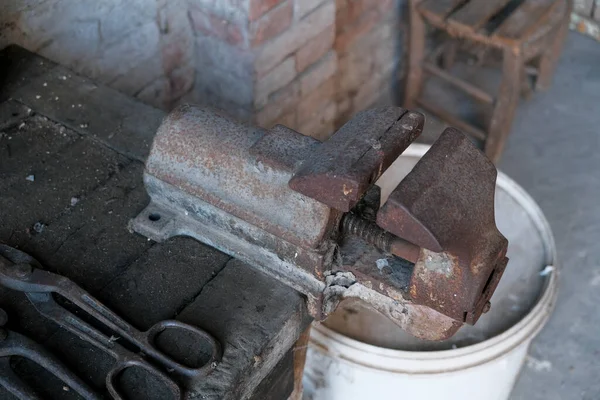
(21, 272)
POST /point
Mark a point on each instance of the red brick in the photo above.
(273, 52)
(354, 69)
(369, 93)
(259, 7)
(304, 7)
(315, 101)
(212, 25)
(315, 48)
(348, 12)
(181, 80)
(350, 34)
(280, 103)
(175, 50)
(321, 125)
(288, 120)
(271, 24)
(318, 73)
(274, 80)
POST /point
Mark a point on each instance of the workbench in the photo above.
(71, 163)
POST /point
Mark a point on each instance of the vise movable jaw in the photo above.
(308, 213)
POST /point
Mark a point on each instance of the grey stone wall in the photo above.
(308, 64)
(143, 48)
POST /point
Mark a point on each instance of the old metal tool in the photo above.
(308, 213)
(19, 271)
(14, 344)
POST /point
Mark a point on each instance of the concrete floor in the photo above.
(554, 153)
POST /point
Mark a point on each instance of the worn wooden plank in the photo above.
(525, 19)
(465, 86)
(476, 13)
(440, 9)
(452, 120)
(552, 52)
(506, 105)
(416, 55)
(278, 384)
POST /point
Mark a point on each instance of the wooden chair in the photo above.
(526, 32)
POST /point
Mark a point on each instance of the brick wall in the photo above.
(141, 47)
(308, 64)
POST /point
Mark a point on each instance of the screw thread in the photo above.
(368, 231)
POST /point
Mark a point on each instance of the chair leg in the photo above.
(449, 54)
(506, 103)
(550, 57)
(526, 88)
(416, 51)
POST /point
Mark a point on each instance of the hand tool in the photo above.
(309, 213)
(19, 271)
(15, 344)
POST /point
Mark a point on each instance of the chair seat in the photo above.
(498, 23)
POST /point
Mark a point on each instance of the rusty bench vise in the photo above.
(308, 213)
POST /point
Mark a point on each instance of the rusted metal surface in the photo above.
(343, 168)
(283, 148)
(448, 199)
(20, 272)
(206, 154)
(308, 213)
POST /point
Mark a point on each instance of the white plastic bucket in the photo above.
(362, 355)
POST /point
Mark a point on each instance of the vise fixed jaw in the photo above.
(309, 213)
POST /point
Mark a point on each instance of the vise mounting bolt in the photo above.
(309, 214)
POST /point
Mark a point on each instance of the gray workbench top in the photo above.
(71, 168)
